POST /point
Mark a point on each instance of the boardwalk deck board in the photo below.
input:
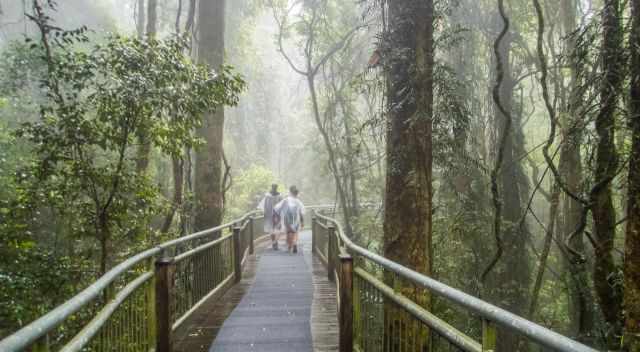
(284, 303)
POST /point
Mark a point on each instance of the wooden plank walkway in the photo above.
(267, 315)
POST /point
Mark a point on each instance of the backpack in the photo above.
(288, 214)
(275, 219)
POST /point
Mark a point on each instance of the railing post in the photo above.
(152, 315)
(489, 336)
(346, 303)
(251, 234)
(331, 231)
(42, 345)
(313, 233)
(237, 255)
(165, 269)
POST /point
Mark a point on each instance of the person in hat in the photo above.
(291, 213)
(267, 204)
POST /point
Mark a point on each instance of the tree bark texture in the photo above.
(581, 300)
(208, 178)
(144, 148)
(409, 60)
(509, 282)
(632, 241)
(140, 19)
(602, 209)
(152, 20)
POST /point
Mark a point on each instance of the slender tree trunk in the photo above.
(178, 17)
(553, 216)
(190, 16)
(349, 174)
(581, 300)
(178, 187)
(208, 178)
(140, 20)
(632, 241)
(408, 199)
(511, 277)
(604, 216)
(144, 148)
(333, 162)
(152, 21)
(350, 177)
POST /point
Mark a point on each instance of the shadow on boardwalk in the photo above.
(283, 303)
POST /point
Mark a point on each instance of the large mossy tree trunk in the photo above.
(632, 241)
(409, 59)
(208, 165)
(602, 208)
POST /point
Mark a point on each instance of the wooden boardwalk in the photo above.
(315, 300)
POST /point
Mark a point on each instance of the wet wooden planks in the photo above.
(324, 310)
(201, 328)
(197, 333)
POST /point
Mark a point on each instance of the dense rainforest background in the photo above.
(493, 145)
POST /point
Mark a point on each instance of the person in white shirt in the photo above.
(267, 205)
(291, 216)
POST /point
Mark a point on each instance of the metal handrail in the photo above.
(459, 339)
(91, 329)
(37, 329)
(200, 248)
(506, 319)
(29, 334)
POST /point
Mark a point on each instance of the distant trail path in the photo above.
(274, 316)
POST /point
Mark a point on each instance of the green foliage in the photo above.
(98, 102)
(73, 201)
(247, 190)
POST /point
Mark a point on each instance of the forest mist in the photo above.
(537, 215)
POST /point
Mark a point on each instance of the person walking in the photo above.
(267, 204)
(291, 214)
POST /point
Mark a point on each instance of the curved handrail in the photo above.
(535, 332)
(29, 334)
(91, 329)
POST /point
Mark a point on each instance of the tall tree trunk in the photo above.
(140, 19)
(178, 187)
(191, 15)
(546, 249)
(208, 178)
(604, 216)
(408, 199)
(152, 20)
(632, 241)
(350, 175)
(510, 279)
(333, 160)
(581, 300)
(144, 148)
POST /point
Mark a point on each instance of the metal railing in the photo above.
(138, 304)
(375, 314)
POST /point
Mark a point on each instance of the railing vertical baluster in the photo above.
(42, 345)
(331, 231)
(251, 234)
(314, 219)
(237, 254)
(151, 308)
(346, 303)
(165, 269)
(489, 336)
